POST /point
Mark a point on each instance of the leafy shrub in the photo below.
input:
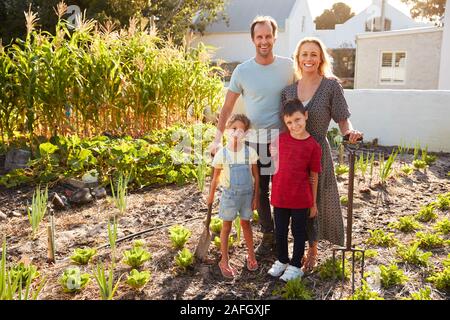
(392, 276)
(138, 279)
(136, 257)
(379, 238)
(430, 240)
(365, 293)
(405, 224)
(184, 258)
(83, 255)
(179, 235)
(426, 214)
(216, 225)
(294, 289)
(73, 281)
(327, 268)
(443, 226)
(412, 254)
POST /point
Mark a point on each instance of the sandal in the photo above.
(251, 265)
(227, 271)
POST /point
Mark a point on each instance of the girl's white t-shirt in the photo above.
(238, 157)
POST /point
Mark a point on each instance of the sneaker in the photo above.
(291, 272)
(277, 269)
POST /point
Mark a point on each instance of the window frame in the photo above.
(394, 53)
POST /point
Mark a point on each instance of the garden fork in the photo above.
(351, 148)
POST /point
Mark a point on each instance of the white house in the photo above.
(294, 19)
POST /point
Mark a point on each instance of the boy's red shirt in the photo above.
(294, 159)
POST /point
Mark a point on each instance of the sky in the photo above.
(318, 6)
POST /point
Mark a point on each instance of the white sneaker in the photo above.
(277, 269)
(291, 272)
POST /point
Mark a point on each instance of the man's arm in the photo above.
(225, 113)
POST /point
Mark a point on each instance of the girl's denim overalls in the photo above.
(238, 197)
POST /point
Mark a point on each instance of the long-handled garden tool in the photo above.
(351, 148)
(205, 238)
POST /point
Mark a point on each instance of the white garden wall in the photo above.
(399, 116)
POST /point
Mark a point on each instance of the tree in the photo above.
(428, 9)
(338, 14)
(172, 17)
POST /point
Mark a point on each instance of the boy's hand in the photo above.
(313, 211)
(255, 203)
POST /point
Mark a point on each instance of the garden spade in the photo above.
(205, 238)
(351, 148)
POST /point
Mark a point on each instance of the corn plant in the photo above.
(430, 240)
(38, 208)
(294, 289)
(405, 224)
(365, 293)
(392, 276)
(422, 294)
(136, 257)
(379, 238)
(138, 279)
(328, 270)
(386, 168)
(412, 254)
(237, 227)
(216, 225)
(443, 226)
(179, 235)
(426, 214)
(73, 281)
(105, 282)
(416, 150)
(184, 258)
(83, 255)
(120, 197)
(112, 237)
(403, 149)
(362, 164)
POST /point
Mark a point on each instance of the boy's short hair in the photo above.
(239, 117)
(292, 106)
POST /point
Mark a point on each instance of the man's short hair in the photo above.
(264, 19)
(292, 106)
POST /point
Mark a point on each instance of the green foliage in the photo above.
(83, 255)
(136, 257)
(379, 238)
(105, 282)
(407, 170)
(138, 279)
(369, 253)
(341, 169)
(237, 227)
(338, 14)
(255, 216)
(426, 214)
(430, 10)
(327, 268)
(179, 235)
(392, 276)
(200, 174)
(120, 197)
(334, 137)
(112, 237)
(38, 208)
(362, 164)
(138, 243)
(441, 279)
(406, 224)
(24, 272)
(412, 254)
(443, 201)
(294, 289)
(386, 167)
(73, 281)
(419, 164)
(184, 258)
(344, 200)
(430, 240)
(422, 294)
(217, 242)
(216, 225)
(443, 226)
(365, 293)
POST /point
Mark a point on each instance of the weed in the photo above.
(343, 200)
(105, 282)
(120, 198)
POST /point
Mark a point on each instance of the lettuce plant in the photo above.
(406, 224)
(341, 169)
(392, 276)
(136, 257)
(216, 225)
(443, 226)
(179, 235)
(73, 281)
(83, 255)
(294, 289)
(365, 293)
(430, 240)
(328, 270)
(412, 254)
(443, 201)
(184, 258)
(138, 279)
(441, 279)
(426, 214)
(422, 294)
(379, 238)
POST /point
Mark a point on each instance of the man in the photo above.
(260, 80)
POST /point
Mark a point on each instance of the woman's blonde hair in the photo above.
(325, 67)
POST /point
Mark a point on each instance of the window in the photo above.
(393, 67)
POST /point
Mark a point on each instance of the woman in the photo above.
(323, 97)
